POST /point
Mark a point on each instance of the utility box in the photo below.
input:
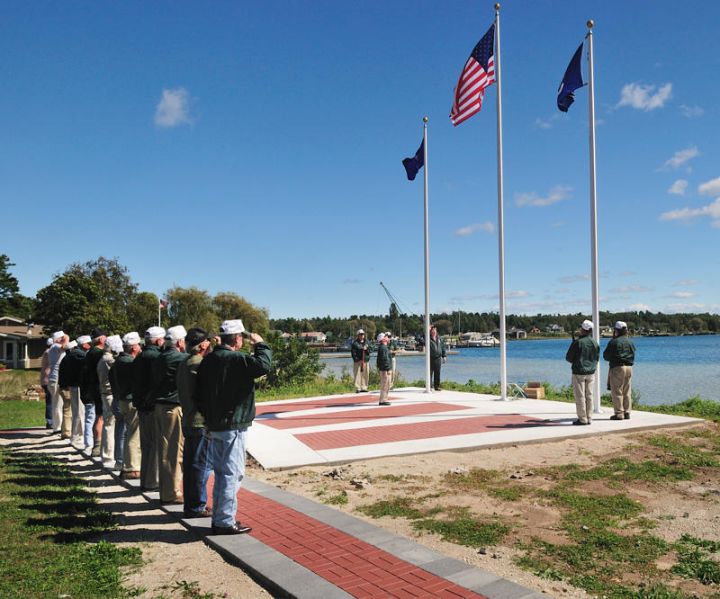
(534, 392)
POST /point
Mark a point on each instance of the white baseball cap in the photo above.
(587, 325)
(84, 339)
(155, 332)
(620, 325)
(114, 344)
(58, 335)
(131, 339)
(71, 345)
(360, 332)
(232, 327)
(176, 333)
(380, 337)
(49, 340)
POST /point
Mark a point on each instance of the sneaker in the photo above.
(206, 513)
(617, 417)
(627, 415)
(580, 423)
(385, 403)
(95, 451)
(235, 529)
(130, 475)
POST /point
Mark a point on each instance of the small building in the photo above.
(515, 333)
(21, 345)
(535, 331)
(313, 337)
(555, 329)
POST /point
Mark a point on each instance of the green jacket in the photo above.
(583, 355)
(225, 386)
(89, 381)
(360, 351)
(437, 348)
(121, 377)
(142, 378)
(186, 378)
(164, 373)
(384, 360)
(620, 351)
(70, 369)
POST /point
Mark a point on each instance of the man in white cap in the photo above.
(90, 392)
(56, 353)
(620, 352)
(67, 371)
(360, 352)
(113, 347)
(168, 415)
(121, 378)
(384, 366)
(141, 387)
(583, 354)
(225, 396)
(73, 366)
(44, 372)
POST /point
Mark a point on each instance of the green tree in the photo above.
(444, 327)
(143, 311)
(293, 362)
(12, 302)
(191, 307)
(229, 305)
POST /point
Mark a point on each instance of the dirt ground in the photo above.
(686, 507)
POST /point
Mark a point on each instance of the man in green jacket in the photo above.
(438, 355)
(121, 379)
(384, 366)
(225, 396)
(620, 352)
(583, 354)
(168, 415)
(141, 386)
(90, 391)
(360, 352)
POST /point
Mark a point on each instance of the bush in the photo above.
(294, 363)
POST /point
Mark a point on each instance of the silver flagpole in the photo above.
(159, 308)
(593, 214)
(501, 219)
(427, 263)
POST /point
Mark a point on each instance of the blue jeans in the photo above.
(196, 469)
(119, 431)
(227, 452)
(89, 424)
(48, 406)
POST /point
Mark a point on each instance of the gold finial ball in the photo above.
(425, 119)
(590, 23)
(497, 6)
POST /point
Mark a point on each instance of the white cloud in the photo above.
(630, 289)
(710, 188)
(685, 214)
(679, 187)
(644, 97)
(173, 109)
(518, 293)
(486, 227)
(685, 283)
(682, 294)
(640, 307)
(556, 194)
(691, 112)
(681, 157)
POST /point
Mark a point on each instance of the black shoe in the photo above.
(358, 391)
(627, 415)
(206, 513)
(363, 391)
(235, 529)
(579, 423)
(617, 417)
(385, 403)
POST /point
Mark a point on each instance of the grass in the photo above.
(464, 529)
(49, 523)
(394, 507)
(624, 470)
(694, 560)
(684, 454)
(18, 413)
(14, 382)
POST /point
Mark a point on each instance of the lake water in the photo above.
(667, 369)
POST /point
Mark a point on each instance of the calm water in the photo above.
(667, 369)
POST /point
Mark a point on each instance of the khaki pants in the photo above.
(77, 409)
(148, 451)
(107, 443)
(583, 391)
(619, 378)
(386, 377)
(66, 426)
(361, 375)
(168, 422)
(131, 451)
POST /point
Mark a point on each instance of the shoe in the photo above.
(95, 452)
(580, 423)
(130, 475)
(206, 513)
(363, 390)
(384, 403)
(235, 529)
(146, 489)
(118, 466)
(627, 416)
(180, 501)
(64, 436)
(48, 425)
(617, 417)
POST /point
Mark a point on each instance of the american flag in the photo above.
(163, 304)
(477, 74)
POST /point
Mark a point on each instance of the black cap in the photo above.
(195, 336)
(98, 332)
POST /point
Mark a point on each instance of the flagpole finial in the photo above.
(590, 23)
(497, 6)
(425, 119)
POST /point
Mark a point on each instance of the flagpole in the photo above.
(159, 308)
(427, 262)
(501, 218)
(593, 213)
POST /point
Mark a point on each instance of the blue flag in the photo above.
(571, 81)
(414, 164)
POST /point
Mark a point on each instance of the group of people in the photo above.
(584, 353)
(167, 409)
(386, 361)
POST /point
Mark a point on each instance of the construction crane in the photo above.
(396, 304)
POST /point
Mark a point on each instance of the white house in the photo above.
(21, 345)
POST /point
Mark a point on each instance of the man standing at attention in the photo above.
(438, 355)
(384, 366)
(90, 392)
(196, 466)
(121, 377)
(44, 372)
(55, 355)
(225, 396)
(583, 354)
(76, 359)
(360, 352)
(620, 352)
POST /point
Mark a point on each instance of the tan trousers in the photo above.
(361, 375)
(107, 443)
(621, 389)
(77, 409)
(131, 452)
(66, 426)
(168, 420)
(148, 451)
(583, 391)
(386, 377)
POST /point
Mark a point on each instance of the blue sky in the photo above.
(256, 147)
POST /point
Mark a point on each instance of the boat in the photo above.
(478, 340)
